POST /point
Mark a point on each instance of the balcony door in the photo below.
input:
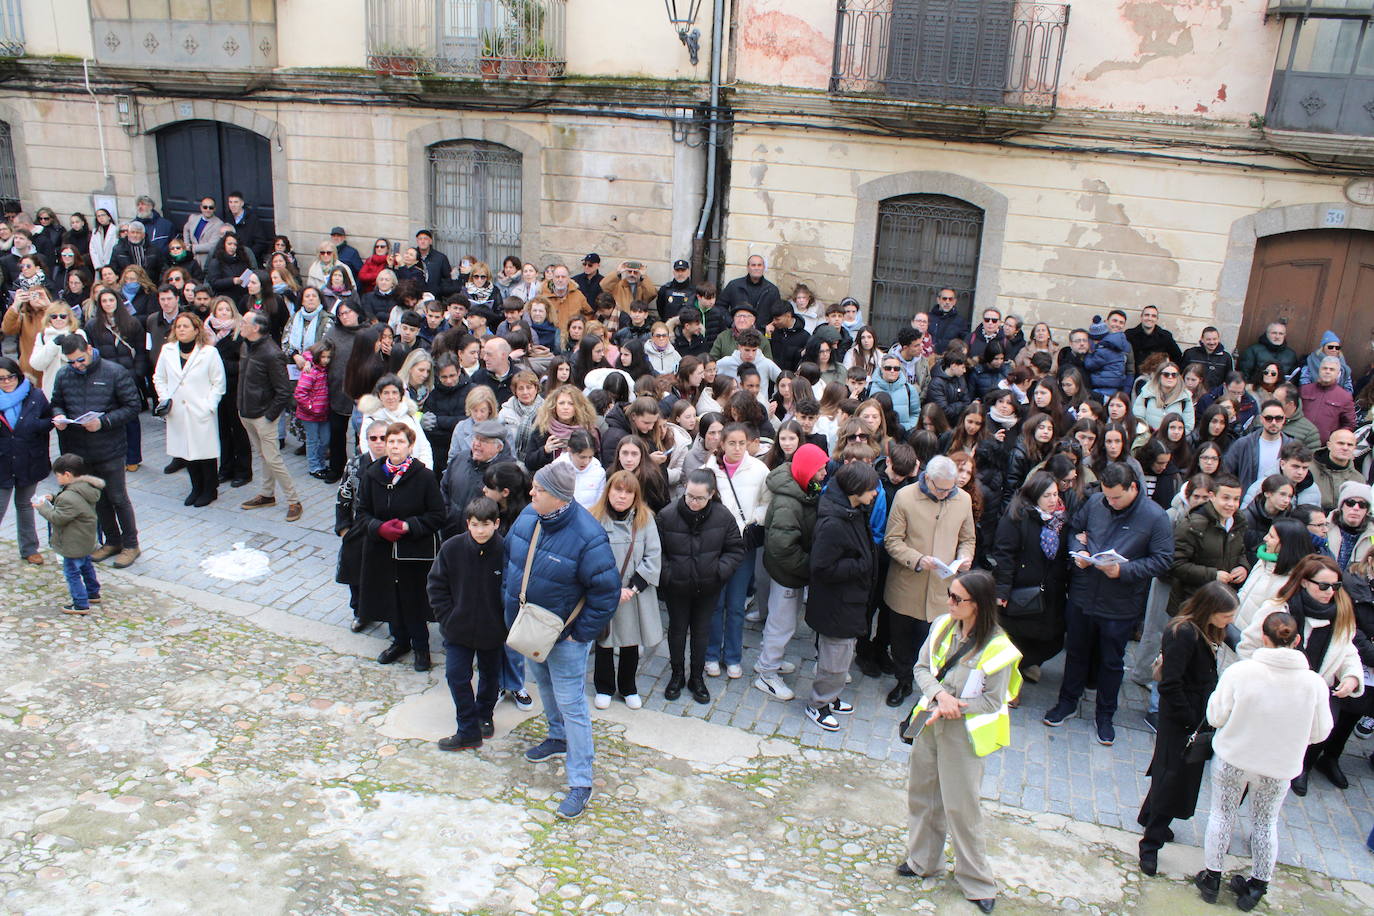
(926, 242)
(207, 158)
(1319, 280)
(949, 50)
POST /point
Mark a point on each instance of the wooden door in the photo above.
(1318, 280)
(206, 158)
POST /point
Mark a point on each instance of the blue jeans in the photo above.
(512, 670)
(458, 663)
(562, 683)
(81, 580)
(316, 444)
(727, 624)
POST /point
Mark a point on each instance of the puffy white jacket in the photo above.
(1267, 709)
(748, 482)
(1340, 661)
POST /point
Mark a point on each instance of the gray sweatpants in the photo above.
(834, 656)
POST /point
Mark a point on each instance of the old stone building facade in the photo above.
(1057, 160)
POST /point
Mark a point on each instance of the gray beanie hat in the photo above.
(559, 479)
(1354, 489)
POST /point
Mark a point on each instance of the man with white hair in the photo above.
(930, 530)
(136, 249)
(1328, 405)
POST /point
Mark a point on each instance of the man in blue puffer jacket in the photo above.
(573, 563)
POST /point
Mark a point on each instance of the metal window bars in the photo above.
(476, 199)
(514, 39)
(11, 28)
(999, 52)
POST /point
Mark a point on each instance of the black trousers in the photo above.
(235, 454)
(1345, 712)
(908, 635)
(689, 613)
(338, 443)
(114, 511)
(611, 679)
(873, 646)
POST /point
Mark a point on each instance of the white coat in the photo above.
(1260, 585)
(748, 484)
(1340, 661)
(102, 244)
(1267, 709)
(46, 356)
(195, 390)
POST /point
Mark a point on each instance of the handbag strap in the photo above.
(525, 579)
(739, 507)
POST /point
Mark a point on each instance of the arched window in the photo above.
(9, 180)
(475, 199)
(925, 243)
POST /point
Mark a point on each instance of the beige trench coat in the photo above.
(918, 526)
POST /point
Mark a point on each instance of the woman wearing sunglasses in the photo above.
(1325, 616)
(1163, 394)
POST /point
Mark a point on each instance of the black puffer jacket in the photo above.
(617, 428)
(264, 387)
(844, 560)
(445, 402)
(105, 387)
(701, 550)
(951, 393)
(464, 589)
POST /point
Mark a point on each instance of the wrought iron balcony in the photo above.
(185, 34)
(11, 28)
(512, 39)
(978, 52)
(1324, 72)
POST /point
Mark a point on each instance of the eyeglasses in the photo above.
(1168, 375)
(58, 317)
(892, 368)
(8, 378)
(858, 437)
(1332, 347)
(1322, 525)
(45, 219)
(324, 251)
(376, 438)
(207, 206)
(379, 246)
(695, 500)
(946, 298)
(1355, 503)
(479, 276)
(957, 599)
(993, 320)
(1269, 372)
(1271, 418)
(1324, 586)
(659, 334)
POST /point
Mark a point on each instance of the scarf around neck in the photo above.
(1049, 532)
(10, 403)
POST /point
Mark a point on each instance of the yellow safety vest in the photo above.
(991, 731)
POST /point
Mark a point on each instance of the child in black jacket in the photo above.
(465, 592)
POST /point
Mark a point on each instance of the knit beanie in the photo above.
(1098, 329)
(1354, 489)
(559, 479)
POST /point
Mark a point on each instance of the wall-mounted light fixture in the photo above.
(682, 15)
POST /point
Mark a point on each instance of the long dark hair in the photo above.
(1026, 498)
(365, 364)
(1036, 450)
(583, 363)
(775, 455)
(1213, 598)
(982, 591)
(960, 440)
(509, 475)
(1295, 542)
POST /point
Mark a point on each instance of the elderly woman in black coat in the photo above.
(1188, 675)
(346, 521)
(1029, 560)
(25, 420)
(401, 511)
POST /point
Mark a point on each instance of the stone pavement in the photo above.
(178, 750)
(1059, 771)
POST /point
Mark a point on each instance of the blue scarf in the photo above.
(10, 403)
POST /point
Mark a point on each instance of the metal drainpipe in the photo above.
(713, 131)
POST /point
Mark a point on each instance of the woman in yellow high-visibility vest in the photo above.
(966, 675)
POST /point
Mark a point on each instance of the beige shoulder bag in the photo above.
(536, 629)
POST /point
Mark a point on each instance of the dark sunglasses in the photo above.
(992, 320)
(1271, 418)
(1352, 503)
(207, 206)
(1333, 346)
(1324, 586)
(892, 368)
(1168, 375)
(858, 437)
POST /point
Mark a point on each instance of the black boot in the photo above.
(1208, 884)
(393, 653)
(209, 488)
(1330, 767)
(422, 660)
(675, 685)
(869, 667)
(697, 686)
(1300, 784)
(1248, 892)
(193, 472)
(897, 696)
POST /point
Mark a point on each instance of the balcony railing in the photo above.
(515, 39)
(982, 52)
(164, 34)
(11, 28)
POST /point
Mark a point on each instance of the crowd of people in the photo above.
(682, 459)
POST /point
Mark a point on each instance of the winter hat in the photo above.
(1354, 489)
(1329, 338)
(559, 479)
(490, 429)
(1098, 329)
(806, 462)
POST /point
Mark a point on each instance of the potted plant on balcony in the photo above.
(496, 46)
(397, 60)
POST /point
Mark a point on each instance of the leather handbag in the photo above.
(1028, 601)
(536, 630)
(1198, 749)
(416, 550)
(753, 531)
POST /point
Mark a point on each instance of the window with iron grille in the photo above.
(475, 194)
(926, 242)
(1324, 72)
(9, 180)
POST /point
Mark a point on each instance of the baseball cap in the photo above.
(680, 264)
(592, 258)
(337, 230)
(428, 232)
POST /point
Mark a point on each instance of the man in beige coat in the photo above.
(932, 520)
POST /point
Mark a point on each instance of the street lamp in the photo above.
(681, 15)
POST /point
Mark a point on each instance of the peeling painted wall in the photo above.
(1190, 57)
(785, 42)
(1083, 234)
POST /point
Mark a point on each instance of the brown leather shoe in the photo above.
(293, 512)
(259, 502)
(130, 468)
(126, 557)
(104, 553)
(35, 558)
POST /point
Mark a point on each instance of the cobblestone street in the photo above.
(186, 720)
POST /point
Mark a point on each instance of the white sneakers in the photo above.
(633, 701)
(602, 701)
(774, 686)
(713, 669)
(734, 672)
